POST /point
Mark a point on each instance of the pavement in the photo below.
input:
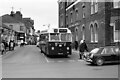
(17, 47)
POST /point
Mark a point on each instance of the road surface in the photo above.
(28, 62)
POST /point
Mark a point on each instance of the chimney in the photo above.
(18, 15)
(12, 14)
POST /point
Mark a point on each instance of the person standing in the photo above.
(2, 46)
(82, 48)
(76, 45)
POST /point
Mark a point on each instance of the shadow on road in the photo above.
(107, 64)
(58, 56)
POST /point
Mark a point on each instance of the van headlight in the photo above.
(52, 48)
(68, 48)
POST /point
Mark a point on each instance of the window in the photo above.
(76, 14)
(96, 6)
(96, 32)
(83, 8)
(61, 20)
(92, 33)
(76, 31)
(71, 19)
(54, 36)
(83, 32)
(66, 19)
(11, 26)
(116, 31)
(92, 7)
(116, 4)
(108, 51)
(62, 4)
(21, 28)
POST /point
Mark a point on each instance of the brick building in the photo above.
(96, 22)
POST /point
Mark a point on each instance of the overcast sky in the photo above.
(43, 12)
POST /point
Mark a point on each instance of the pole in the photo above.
(0, 32)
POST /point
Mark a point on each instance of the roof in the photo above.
(9, 19)
(51, 30)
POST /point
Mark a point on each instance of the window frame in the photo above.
(92, 7)
(116, 4)
(113, 24)
(92, 33)
(96, 6)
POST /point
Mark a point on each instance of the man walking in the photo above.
(82, 48)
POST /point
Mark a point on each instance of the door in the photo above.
(117, 53)
(109, 56)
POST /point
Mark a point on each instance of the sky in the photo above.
(43, 12)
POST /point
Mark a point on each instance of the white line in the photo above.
(71, 60)
(60, 61)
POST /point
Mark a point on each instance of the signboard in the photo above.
(62, 30)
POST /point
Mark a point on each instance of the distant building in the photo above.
(30, 31)
(96, 22)
(15, 25)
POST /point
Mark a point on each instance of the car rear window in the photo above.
(116, 50)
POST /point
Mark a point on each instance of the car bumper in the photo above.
(88, 60)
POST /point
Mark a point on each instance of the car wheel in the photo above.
(99, 61)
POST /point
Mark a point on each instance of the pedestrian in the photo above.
(11, 45)
(82, 48)
(22, 43)
(76, 45)
(2, 46)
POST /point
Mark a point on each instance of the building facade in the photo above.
(29, 23)
(95, 22)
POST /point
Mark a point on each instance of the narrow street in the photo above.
(28, 62)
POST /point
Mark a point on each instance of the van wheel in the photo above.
(66, 56)
(99, 61)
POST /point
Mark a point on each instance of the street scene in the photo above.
(28, 62)
(60, 39)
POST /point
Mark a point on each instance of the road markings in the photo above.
(71, 60)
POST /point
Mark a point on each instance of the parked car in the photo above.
(99, 56)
